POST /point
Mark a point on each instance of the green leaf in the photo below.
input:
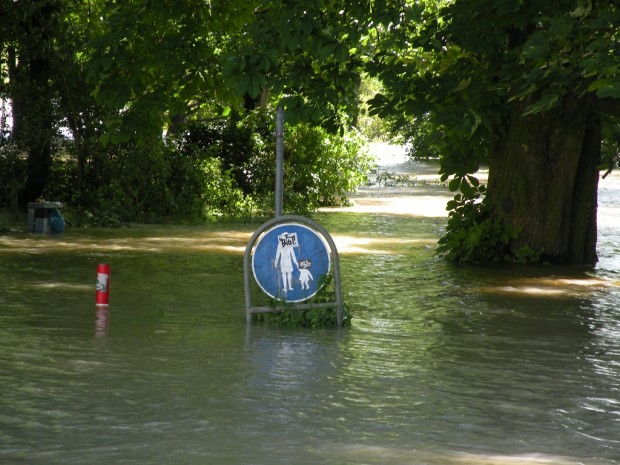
(477, 121)
(598, 84)
(609, 91)
(473, 180)
(560, 26)
(545, 103)
(377, 103)
(254, 86)
(105, 138)
(605, 89)
(466, 189)
(341, 53)
(327, 49)
(463, 84)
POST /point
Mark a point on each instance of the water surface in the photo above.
(442, 364)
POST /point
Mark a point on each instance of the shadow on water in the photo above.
(442, 364)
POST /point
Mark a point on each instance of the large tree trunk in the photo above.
(30, 72)
(543, 178)
(41, 130)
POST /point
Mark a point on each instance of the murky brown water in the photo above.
(442, 364)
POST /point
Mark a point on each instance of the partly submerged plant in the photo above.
(288, 315)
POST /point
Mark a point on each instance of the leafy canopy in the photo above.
(458, 66)
(157, 61)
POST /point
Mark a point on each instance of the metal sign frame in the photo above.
(335, 270)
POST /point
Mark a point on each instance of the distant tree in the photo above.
(41, 57)
(121, 73)
(28, 40)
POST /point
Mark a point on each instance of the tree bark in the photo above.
(543, 179)
(41, 130)
(31, 72)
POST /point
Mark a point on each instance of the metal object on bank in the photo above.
(44, 217)
(279, 160)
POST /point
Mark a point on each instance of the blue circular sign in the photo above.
(290, 261)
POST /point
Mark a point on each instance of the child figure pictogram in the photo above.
(304, 273)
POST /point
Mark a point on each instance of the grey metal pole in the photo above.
(279, 160)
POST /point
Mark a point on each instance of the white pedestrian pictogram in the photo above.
(285, 257)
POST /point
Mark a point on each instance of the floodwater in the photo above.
(441, 365)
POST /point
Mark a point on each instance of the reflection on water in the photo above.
(442, 365)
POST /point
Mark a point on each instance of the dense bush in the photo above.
(245, 148)
(473, 235)
(12, 173)
(218, 168)
(319, 168)
(131, 183)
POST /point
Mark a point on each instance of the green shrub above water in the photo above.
(320, 169)
(220, 168)
(288, 316)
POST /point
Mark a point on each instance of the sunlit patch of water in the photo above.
(60, 285)
(377, 455)
(609, 226)
(425, 206)
(348, 244)
(230, 241)
(550, 286)
(128, 241)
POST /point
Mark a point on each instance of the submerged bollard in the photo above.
(103, 284)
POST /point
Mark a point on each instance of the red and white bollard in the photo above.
(103, 285)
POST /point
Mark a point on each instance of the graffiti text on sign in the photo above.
(287, 239)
